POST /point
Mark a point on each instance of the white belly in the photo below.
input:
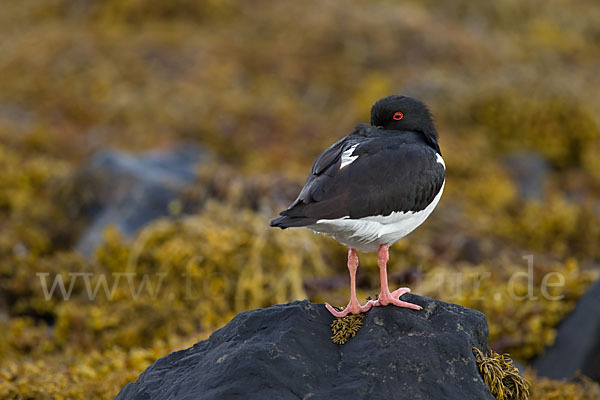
(368, 233)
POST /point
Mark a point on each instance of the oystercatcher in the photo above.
(372, 188)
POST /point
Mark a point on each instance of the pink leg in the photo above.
(385, 297)
(353, 306)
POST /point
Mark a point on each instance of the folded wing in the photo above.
(397, 172)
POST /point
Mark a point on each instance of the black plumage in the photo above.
(394, 167)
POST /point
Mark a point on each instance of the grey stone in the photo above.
(129, 191)
(577, 343)
(529, 171)
(286, 352)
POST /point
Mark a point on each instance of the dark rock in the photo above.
(577, 343)
(130, 191)
(529, 171)
(471, 251)
(286, 352)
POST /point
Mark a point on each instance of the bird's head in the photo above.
(401, 113)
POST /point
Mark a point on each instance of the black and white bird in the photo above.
(372, 188)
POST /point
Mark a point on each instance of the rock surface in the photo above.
(129, 191)
(286, 352)
(529, 171)
(577, 343)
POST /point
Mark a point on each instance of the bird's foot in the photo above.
(385, 298)
(353, 307)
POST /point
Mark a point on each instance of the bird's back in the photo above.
(386, 171)
(376, 184)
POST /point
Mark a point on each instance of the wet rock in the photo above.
(129, 191)
(286, 352)
(577, 343)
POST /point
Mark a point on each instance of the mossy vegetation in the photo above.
(345, 328)
(524, 317)
(501, 376)
(581, 389)
(75, 78)
(185, 277)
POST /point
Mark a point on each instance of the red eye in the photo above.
(398, 116)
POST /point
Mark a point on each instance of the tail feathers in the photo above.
(292, 222)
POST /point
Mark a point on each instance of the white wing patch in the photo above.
(347, 157)
(440, 160)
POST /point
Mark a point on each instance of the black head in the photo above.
(401, 113)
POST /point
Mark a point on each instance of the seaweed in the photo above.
(500, 77)
(345, 328)
(501, 376)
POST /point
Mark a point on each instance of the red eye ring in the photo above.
(398, 116)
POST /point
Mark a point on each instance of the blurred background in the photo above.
(146, 145)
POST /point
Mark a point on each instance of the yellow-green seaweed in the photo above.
(501, 376)
(345, 328)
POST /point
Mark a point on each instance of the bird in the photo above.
(372, 188)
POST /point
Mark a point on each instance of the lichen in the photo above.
(501, 376)
(345, 328)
